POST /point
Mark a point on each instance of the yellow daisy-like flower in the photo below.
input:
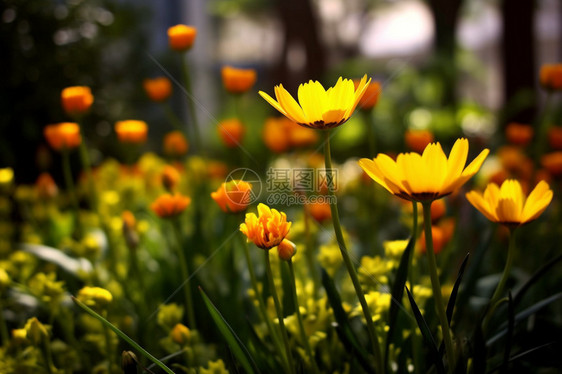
(424, 177)
(318, 108)
(268, 229)
(507, 204)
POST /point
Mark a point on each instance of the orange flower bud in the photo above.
(76, 100)
(438, 240)
(238, 81)
(511, 158)
(157, 89)
(438, 209)
(319, 211)
(175, 144)
(371, 95)
(555, 137)
(519, 134)
(180, 334)
(216, 169)
(268, 229)
(551, 76)
(275, 135)
(65, 135)
(170, 177)
(553, 163)
(286, 250)
(300, 136)
(131, 131)
(167, 206)
(417, 140)
(234, 196)
(46, 186)
(129, 219)
(231, 132)
(181, 37)
(129, 229)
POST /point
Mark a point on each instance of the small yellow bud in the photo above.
(19, 336)
(35, 331)
(95, 297)
(180, 334)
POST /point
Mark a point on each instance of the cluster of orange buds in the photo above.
(281, 134)
(64, 135)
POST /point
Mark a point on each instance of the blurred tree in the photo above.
(49, 45)
(518, 49)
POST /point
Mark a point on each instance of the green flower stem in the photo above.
(86, 165)
(191, 102)
(3, 327)
(309, 240)
(435, 284)
(347, 260)
(495, 300)
(123, 336)
(542, 133)
(47, 356)
(272, 331)
(279, 311)
(172, 117)
(184, 273)
(71, 189)
(304, 337)
(108, 347)
(416, 341)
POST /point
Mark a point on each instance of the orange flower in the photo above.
(216, 169)
(170, 177)
(551, 76)
(181, 37)
(553, 163)
(231, 132)
(234, 196)
(519, 134)
(280, 134)
(266, 230)
(320, 211)
(168, 206)
(511, 158)
(64, 135)
(438, 239)
(131, 131)
(417, 140)
(46, 186)
(300, 136)
(438, 210)
(555, 137)
(175, 144)
(76, 100)
(286, 250)
(157, 89)
(238, 81)
(129, 219)
(371, 95)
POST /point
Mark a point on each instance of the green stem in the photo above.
(435, 284)
(495, 300)
(108, 347)
(86, 165)
(46, 351)
(3, 327)
(71, 189)
(185, 274)
(123, 336)
(261, 304)
(279, 311)
(310, 254)
(191, 102)
(174, 120)
(304, 337)
(347, 260)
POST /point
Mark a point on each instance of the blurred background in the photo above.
(453, 66)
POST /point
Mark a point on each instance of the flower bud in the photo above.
(95, 297)
(76, 100)
(238, 81)
(181, 37)
(180, 334)
(286, 250)
(157, 89)
(35, 331)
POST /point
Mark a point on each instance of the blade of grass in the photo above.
(397, 294)
(534, 278)
(426, 333)
(521, 355)
(345, 332)
(510, 326)
(236, 346)
(122, 335)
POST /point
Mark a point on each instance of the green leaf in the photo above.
(397, 294)
(345, 332)
(523, 354)
(454, 292)
(426, 333)
(510, 326)
(524, 314)
(122, 335)
(538, 274)
(236, 346)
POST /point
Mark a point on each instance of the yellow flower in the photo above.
(95, 297)
(180, 334)
(319, 108)
(268, 230)
(507, 205)
(131, 131)
(424, 177)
